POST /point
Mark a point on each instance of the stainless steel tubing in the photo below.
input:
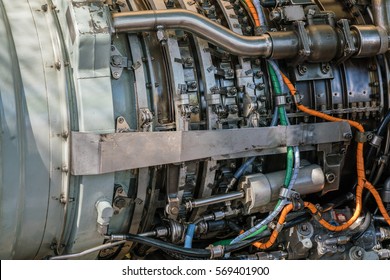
(380, 10)
(214, 199)
(88, 251)
(196, 24)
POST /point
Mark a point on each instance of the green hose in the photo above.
(283, 121)
(290, 151)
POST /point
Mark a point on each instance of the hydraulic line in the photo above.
(189, 235)
(88, 251)
(381, 133)
(276, 231)
(253, 12)
(260, 12)
(288, 182)
(200, 26)
(362, 182)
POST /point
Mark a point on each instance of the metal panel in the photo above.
(96, 154)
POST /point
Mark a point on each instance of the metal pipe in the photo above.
(214, 199)
(196, 24)
(88, 251)
(380, 13)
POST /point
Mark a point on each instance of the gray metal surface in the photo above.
(33, 114)
(97, 154)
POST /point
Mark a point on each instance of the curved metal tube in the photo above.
(196, 24)
(88, 251)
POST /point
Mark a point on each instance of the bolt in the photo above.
(330, 178)
(174, 210)
(260, 86)
(233, 91)
(347, 135)
(274, 15)
(58, 65)
(263, 98)
(65, 134)
(119, 190)
(193, 85)
(359, 253)
(44, 8)
(230, 72)
(116, 60)
(120, 203)
(189, 60)
(116, 75)
(259, 74)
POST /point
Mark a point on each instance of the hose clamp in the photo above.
(285, 193)
(280, 100)
(297, 98)
(376, 141)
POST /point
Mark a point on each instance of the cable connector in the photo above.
(216, 251)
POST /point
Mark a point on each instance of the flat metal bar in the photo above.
(102, 153)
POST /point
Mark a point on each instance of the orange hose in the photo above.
(275, 233)
(253, 12)
(362, 182)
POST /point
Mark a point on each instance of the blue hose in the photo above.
(189, 236)
(243, 167)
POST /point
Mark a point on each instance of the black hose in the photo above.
(363, 228)
(197, 253)
(381, 132)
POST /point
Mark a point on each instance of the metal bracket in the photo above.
(96, 154)
(122, 125)
(118, 62)
(362, 137)
(350, 48)
(145, 117)
(305, 42)
(173, 207)
(121, 200)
